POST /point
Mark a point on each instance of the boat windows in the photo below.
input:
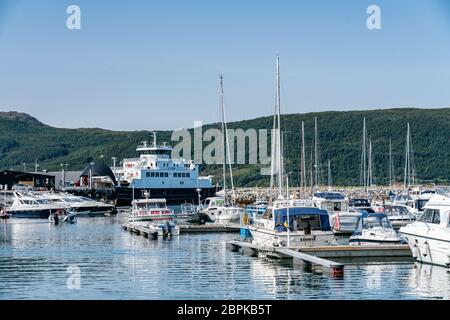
(436, 217)
(147, 174)
(188, 175)
(337, 206)
(430, 216)
(307, 223)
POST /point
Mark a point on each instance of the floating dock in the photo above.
(186, 228)
(320, 256)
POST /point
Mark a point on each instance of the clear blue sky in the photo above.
(154, 64)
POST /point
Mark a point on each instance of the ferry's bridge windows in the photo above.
(147, 174)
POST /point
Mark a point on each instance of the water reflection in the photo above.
(114, 264)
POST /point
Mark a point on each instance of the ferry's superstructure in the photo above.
(177, 180)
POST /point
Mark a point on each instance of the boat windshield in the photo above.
(395, 210)
(42, 201)
(375, 222)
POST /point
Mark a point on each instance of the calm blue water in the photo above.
(113, 264)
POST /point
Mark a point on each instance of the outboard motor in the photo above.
(56, 218)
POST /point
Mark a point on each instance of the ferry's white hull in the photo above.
(428, 245)
(266, 237)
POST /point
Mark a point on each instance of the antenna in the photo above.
(154, 138)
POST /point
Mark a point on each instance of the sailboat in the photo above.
(218, 209)
(288, 222)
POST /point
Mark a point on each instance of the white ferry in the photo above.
(176, 180)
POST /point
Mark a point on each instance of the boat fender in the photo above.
(415, 251)
(426, 247)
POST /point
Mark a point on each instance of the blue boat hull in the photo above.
(30, 214)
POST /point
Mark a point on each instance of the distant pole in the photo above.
(133, 205)
(390, 163)
(114, 159)
(62, 175)
(329, 175)
(36, 166)
(24, 167)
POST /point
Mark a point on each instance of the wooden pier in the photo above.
(205, 228)
(320, 256)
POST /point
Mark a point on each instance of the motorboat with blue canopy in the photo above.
(301, 218)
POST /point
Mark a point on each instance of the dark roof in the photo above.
(99, 169)
(21, 173)
(330, 195)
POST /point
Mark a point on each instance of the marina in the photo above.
(228, 150)
(115, 264)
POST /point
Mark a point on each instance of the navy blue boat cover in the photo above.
(281, 217)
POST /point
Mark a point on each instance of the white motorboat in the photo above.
(374, 229)
(342, 220)
(149, 210)
(429, 236)
(216, 211)
(398, 215)
(161, 218)
(28, 205)
(83, 206)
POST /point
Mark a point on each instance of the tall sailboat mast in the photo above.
(363, 157)
(316, 154)
(226, 146)
(279, 146)
(222, 112)
(409, 170)
(303, 162)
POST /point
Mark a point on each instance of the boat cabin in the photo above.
(332, 202)
(304, 219)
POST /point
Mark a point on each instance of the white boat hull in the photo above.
(426, 249)
(224, 214)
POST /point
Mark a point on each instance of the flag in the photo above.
(337, 222)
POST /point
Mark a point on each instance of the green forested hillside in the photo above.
(24, 139)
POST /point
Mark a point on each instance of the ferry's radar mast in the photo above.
(154, 139)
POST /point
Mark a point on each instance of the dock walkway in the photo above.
(325, 256)
(186, 228)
